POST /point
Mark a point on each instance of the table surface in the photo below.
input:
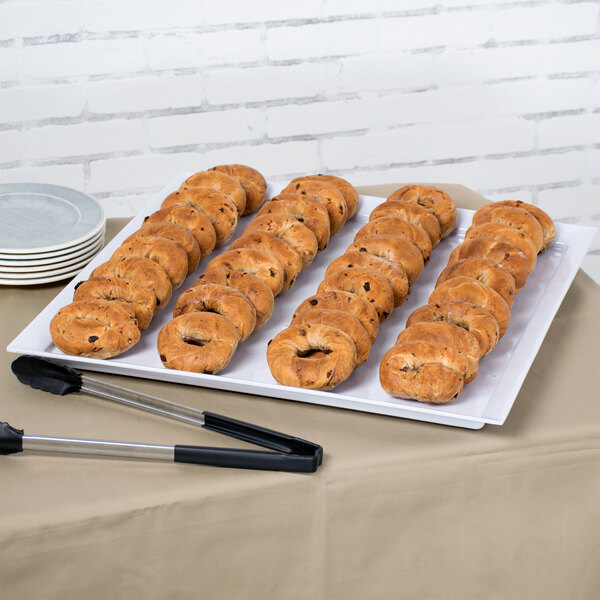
(399, 508)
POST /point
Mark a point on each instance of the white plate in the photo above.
(9, 260)
(488, 399)
(59, 263)
(37, 217)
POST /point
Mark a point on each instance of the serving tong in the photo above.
(288, 453)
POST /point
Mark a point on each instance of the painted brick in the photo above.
(575, 130)
(38, 19)
(533, 170)
(454, 66)
(40, 102)
(442, 29)
(404, 145)
(359, 7)
(571, 57)
(482, 138)
(8, 64)
(69, 175)
(522, 195)
(408, 71)
(139, 15)
(240, 11)
(147, 172)
(206, 128)
(90, 57)
(192, 50)
(567, 202)
(263, 83)
(337, 38)
(84, 139)
(272, 160)
(531, 97)
(125, 205)
(142, 94)
(546, 21)
(11, 146)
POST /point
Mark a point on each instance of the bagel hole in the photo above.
(194, 341)
(314, 353)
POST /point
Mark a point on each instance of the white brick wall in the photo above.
(116, 97)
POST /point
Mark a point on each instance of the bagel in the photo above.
(220, 182)
(393, 272)
(175, 233)
(344, 301)
(222, 300)
(308, 211)
(549, 231)
(252, 182)
(255, 289)
(286, 254)
(413, 213)
(395, 248)
(95, 328)
(144, 271)
(507, 256)
(192, 219)
(466, 289)
(217, 206)
(446, 335)
(473, 319)
(422, 372)
(291, 231)
(201, 342)
(486, 271)
(395, 225)
(140, 298)
(505, 233)
(290, 356)
(170, 255)
(250, 260)
(345, 322)
(347, 189)
(433, 199)
(514, 217)
(366, 283)
(328, 195)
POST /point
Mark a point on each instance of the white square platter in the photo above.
(488, 399)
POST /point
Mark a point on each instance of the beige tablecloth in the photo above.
(399, 509)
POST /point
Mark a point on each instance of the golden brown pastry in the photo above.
(255, 289)
(347, 189)
(192, 219)
(328, 195)
(507, 256)
(422, 372)
(466, 289)
(473, 319)
(486, 271)
(434, 199)
(344, 301)
(144, 271)
(393, 272)
(252, 182)
(366, 283)
(202, 342)
(170, 255)
(395, 248)
(249, 260)
(345, 322)
(290, 356)
(446, 335)
(222, 300)
(219, 182)
(95, 328)
(394, 226)
(286, 254)
(141, 299)
(309, 211)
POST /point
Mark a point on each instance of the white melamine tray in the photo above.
(488, 399)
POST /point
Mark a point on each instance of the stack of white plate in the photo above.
(47, 232)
